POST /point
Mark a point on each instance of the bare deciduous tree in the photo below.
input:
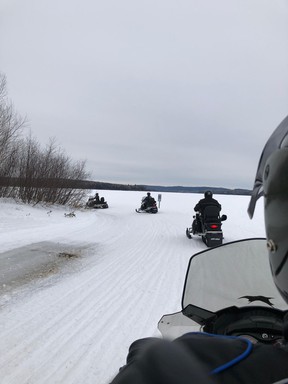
(38, 175)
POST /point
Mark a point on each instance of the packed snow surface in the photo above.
(76, 291)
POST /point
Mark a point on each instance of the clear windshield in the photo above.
(236, 273)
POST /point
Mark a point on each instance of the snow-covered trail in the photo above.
(75, 325)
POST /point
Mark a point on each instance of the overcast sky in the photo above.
(169, 92)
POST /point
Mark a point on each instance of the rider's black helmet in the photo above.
(272, 182)
(208, 194)
(148, 193)
(275, 185)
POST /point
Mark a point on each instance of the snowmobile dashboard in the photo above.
(259, 324)
(262, 324)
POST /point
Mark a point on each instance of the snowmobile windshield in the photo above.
(230, 281)
(277, 140)
(234, 274)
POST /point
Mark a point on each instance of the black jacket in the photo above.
(203, 203)
(203, 358)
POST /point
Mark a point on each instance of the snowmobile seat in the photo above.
(211, 213)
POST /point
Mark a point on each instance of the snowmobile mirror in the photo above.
(223, 217)
(197, 314)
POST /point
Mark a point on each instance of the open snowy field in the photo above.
(76, 291)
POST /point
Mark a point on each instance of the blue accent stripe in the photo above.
(234, 361)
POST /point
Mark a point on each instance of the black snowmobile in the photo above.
(148, 208)
(96, 203)
(229, 290)
(208, 226)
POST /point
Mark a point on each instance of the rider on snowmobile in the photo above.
(197, 357)
(147, 201)
(200, 208)
(207, 201)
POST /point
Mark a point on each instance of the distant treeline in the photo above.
(159, 188)
(216, 190)
(85, 184)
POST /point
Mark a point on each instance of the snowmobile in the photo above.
(229, 290)
(151, 208)
(97, 204)
(208, 226)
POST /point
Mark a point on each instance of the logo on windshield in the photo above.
(264, 299)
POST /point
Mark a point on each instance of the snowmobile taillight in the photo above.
(213, 226)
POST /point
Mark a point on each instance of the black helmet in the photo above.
(148, 193)
(208, 194)
(275, 185)
(272, 182)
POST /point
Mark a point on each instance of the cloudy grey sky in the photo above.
(170, 92)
